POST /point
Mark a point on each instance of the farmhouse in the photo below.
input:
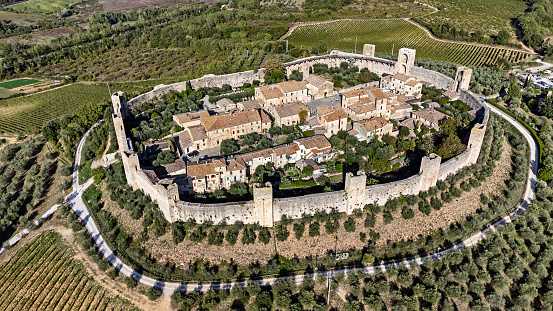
(319, 87)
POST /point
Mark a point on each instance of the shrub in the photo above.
(282, 233)
(407, 213)
(215, 237)
(314, 229)
(388, 217)
(392, 205)
(424, 207)
(153, 293)
(130, 282)
(436, 203)
(375, 208)
(441, 185)
(412, 200)
(370, 220)
(299, 228)
(264, 236)
(332, 226)
(349, 225)
(248, 236)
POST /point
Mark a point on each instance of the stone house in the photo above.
(402, 84)
(190, 118)
(332, 119)
(294, 91)
(288, 114)
(234, 125)
(372, 127)
(150, 150)
(225, 104)
(249, 105)
(315, 147)
(216, 174)
(269, 95)
(400, 111)
(176, 168)
(430, 117)
(255, 158)
(352, 97)
(360, 111)
(319, 87)
(285, 154)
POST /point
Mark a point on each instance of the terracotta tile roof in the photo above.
(359, 108)
(432, 115)
(200, 170)
(409, 123)
(271, 91)
(291, 109)
(374, 123)
(219, 163)
(197, 132)
(225, 102)
(234, 165)
(314, 142)
(377, 93)
(402, 77)
(190, 116)
(283, 149)
(292, 86)
(250, 104)
(316, 80)
(247, 157)
(265, 118)
(176, 166)
(354, 93)
(412, 83)
(331, 113)
(229, 120)
(184, 139)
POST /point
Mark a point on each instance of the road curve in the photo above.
(77, 204)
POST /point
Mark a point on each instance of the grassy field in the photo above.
(489, 16)
(44, 276)
(31, 112)
(4, 93)
(386, 33)
(43, 6)
(17, 83)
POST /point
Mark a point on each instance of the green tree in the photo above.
(238, 189)
(546, 107)
(228, 146)
(503, 37)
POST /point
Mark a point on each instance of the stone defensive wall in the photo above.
(234, 79)
(264, 208)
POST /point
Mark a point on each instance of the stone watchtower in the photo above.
(475, 141)
(263, 204)
(430, 167)
(462, 79)
(120, 112)
(355, 191)
(368, 50)
(405, 60)
(305, 71)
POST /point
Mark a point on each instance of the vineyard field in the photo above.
(22, 114)
(44, 276)
(386, 34)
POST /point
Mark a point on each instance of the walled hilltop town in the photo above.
(364, 111)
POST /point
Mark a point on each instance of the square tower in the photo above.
(405, 60)
(368, 50)
(462, 79)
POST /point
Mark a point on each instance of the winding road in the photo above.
(77, 204)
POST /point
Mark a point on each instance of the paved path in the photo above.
(76, 202)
